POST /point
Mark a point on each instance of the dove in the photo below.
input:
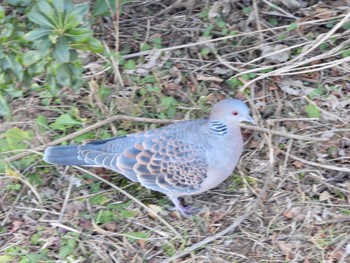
(184, 158)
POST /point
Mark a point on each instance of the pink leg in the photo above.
(186, 211)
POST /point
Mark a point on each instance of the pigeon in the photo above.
(184, 158)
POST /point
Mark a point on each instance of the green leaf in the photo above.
(145, 47)
(65, 251)
(42, 123)
(79, 34)
(17, 139)
(346, 26)
(31, 57)
(247, 10)
(128, 214)
(346, 53)
(59, 5)
(6, 31)
(168, 102)
(2, 12)
(61, 51)
(36, 17)
(36, 34)
(312, 111)
(292, 26)
(19, 2)
(52, 86)
(104, 216)
(46, 9)
(75, 17)
(99, 199)
(64, 122)
(104, 7)
(6, 258)
(130, 65)
(4, 107)
(63, 76)
(95, 45)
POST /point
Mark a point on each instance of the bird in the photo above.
(184, 158)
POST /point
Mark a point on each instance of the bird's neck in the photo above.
(220, 128)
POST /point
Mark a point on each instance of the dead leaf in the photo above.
(288, 214)
(298, 164)
(16, 225)
(276, 53)
(291, 4)
(324, 196)
(323, 13)
(141, 243)
(214, 11)
(209, 78)
(218, 216)
(336, 256)
(176, 73)
(211, 229)
(155, 209)
(285, 249)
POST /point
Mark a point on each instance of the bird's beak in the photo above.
(250, 120)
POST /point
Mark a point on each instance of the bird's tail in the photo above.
(63, 155)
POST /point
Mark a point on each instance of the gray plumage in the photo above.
(179, 159)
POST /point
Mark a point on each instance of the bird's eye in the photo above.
(234, 113)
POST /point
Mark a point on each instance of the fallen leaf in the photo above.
(214, 11)
(285, 249)
(336, 256)
(298, 164)
(141, 243)
(276, 53)
(291, 4)
(16, 224)
(155, 209)
(288, 214)
(209, 78)
(324, 196)
(323, 13)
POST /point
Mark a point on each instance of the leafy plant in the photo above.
(56, 31)
(11, 70)
(60, 35)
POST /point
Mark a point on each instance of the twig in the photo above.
(9, 212)
(144, 53)
(296, 62)
(66, 199)
(280, 9)
(117, 76)
(283, 134)
(325, 166)
(132, 198)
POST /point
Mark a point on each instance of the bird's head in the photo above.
(231, 111)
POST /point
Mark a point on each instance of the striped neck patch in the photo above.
(218, 127)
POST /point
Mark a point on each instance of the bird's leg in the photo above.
(186, 211)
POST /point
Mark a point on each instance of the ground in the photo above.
(289, 197)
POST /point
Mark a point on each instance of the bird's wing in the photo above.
(160, 162)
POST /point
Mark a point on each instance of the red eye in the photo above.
(234, 113)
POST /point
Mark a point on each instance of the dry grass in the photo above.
(288, 200)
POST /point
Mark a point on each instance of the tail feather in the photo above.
(63, 155)
(68, 155)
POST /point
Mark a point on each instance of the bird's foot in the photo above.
(185, 211)
(188, 211)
